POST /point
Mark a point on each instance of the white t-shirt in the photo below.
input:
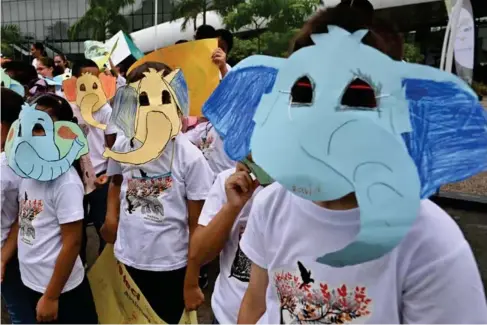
(205, 137)
(35, 62)
(153, 229)
(431, 277)
(121, 81)
(43, 207)
(96, 138)
(10, 190)
(234, 276)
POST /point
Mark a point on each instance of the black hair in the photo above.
(227, 37)
(11, 106)
(181, 41)
(363, 5)
(83, 63)
(39, 46)
(20, 71)
(204, 32)
(138, 73)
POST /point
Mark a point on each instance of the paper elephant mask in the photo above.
(43, 157)
(149, 111)
(341, 117)
(90, 93)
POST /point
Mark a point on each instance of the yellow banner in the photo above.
(194, 58)
(118, 300)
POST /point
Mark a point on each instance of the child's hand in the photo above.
(193, 297)
(47, 309)
(219, 57)
(101, 180)
(239, 188)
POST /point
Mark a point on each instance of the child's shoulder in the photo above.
(69, 177)
(185, 148)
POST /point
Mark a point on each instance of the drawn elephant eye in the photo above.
(38, 130)
(166, 97)
(95, 86)
(302, 92)
(143, 99)
(359, 94)
(82, 87)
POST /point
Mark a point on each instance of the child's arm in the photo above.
(109, 228)
(68, 206)
(110, 140)
(10, 246)
(253, 304)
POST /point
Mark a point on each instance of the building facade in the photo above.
(48, 21)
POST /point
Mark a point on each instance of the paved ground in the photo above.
(473, 224)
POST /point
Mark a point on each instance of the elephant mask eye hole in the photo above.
(82, 87)
(95, 86)
(20, 131)
(38, 130)
(143, 99)
(302, 92)
(166, 97)
(359, 94)
(3, 84)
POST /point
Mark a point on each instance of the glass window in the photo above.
(39, 29)
(148, 21)
(64, 8)
(138, 22)
(23, 27)
(73, 9)
(39, 12)
(22, 10)
(31, 29)
(14, 11)
(6, 12)
(54, 8)
(81, 8)
(30, 10)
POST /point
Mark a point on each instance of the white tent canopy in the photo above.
(169, 33)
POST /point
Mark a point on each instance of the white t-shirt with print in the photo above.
(121, 81)
(96, 137)
(43, 207)
(234, 276)
(431, 277)
(10, 191)
(153, 228)
(205, 137)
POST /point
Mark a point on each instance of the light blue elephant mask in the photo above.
(426, 129)
(45, 157)
(10, 83)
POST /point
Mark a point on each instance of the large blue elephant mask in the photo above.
(45, 157)
(412, 129)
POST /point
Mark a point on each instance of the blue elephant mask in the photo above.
(43, 157)
(341, 117)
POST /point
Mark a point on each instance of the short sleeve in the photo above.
(252, 241)
(198, 179)
(111, 129)
(215, 200)
(114, 168)
(68, 202)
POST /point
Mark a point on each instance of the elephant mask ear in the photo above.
(109, 84)
(448, 142)
(69, 88)
(233, 104)
(125, 110)
(179, 87)
(65, 134)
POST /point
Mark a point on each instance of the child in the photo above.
(96, 201)
(153, 207)
(427, 278)
(51, 222)
(221, 225)
(13, 291)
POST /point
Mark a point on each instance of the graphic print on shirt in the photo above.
(28, 210)
(144, 193)
(241, 264)
(304, 300)
(205, 145)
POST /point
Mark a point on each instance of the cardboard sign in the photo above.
(117, 298)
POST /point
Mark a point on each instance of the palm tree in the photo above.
(190, 9)
(10, 36)
(102, 19)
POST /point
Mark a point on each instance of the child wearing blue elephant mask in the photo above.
(13, 291)
(51, 222)
(427, 278)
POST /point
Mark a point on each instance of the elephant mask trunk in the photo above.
(89, 105)
(31, 165)
(159, 130)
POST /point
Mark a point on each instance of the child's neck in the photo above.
(347, 202)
